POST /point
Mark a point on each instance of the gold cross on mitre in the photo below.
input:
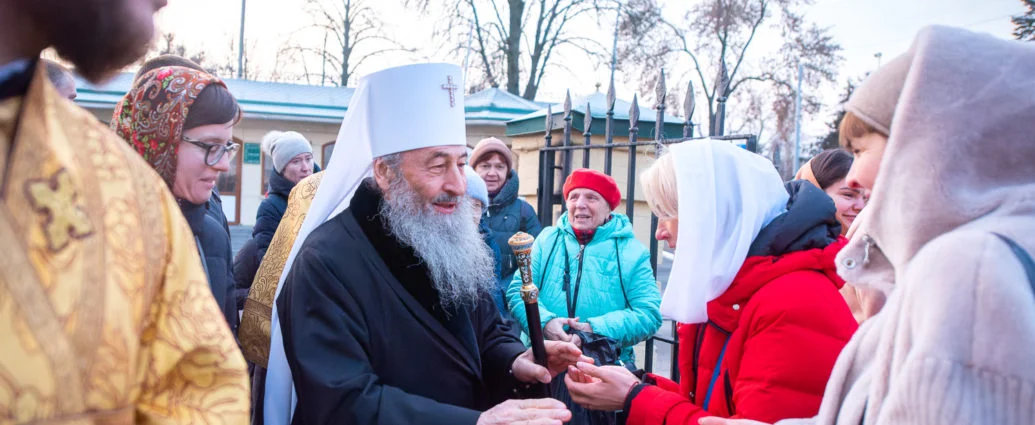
(57, 200)
(450, 87)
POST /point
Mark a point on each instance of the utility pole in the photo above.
(614, 46)
(467, 56)
(240, 44)
(323, 69)
(797, 120)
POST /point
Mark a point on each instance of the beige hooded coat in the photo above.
(955, 342)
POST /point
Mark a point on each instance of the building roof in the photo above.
(535, 122)
(297, 102)
(495, 106)
(259, 100)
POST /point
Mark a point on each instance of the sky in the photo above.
(864, 28)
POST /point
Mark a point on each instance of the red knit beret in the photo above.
(585, 178)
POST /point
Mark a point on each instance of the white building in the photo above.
(314, 111)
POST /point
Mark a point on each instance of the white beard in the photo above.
(460, 264)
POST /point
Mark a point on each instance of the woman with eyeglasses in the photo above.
(181, 121)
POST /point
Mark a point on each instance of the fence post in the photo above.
(587, 123)
(546, 175)
(566, 142)
(566, 171)
(630, 188)
(721, 88)
(688, 109)
(609, 127)
(660, 93)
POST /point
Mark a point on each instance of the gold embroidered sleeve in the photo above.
(192, 371)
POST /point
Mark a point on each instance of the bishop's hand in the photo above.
(545, 411)
(559, 355)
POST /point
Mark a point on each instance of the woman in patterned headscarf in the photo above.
(181, 122)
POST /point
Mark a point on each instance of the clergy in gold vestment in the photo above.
(105, 313)
(254, 332)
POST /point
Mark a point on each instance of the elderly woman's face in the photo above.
(587, 210)
(300, 167)
(668, 231)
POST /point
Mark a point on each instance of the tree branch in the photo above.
(743, 51)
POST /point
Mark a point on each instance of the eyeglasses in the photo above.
(215, 151)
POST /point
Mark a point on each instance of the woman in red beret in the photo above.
(593, 275)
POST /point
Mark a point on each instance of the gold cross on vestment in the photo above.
(57, 200)
(450, 87)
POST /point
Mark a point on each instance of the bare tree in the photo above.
(515, 37)
(1024, 25)
(713, 43)
(169, 45)
(352, 34)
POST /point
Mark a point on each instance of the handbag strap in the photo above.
(1023, 257)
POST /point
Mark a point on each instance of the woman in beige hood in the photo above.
(954, 343)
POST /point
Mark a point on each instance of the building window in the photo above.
(325, 157)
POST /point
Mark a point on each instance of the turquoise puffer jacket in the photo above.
(628, 317)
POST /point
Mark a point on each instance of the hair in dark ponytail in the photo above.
(830, 166)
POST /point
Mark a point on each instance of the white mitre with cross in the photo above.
(394, 110)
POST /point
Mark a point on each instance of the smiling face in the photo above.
(848, 200)
(587, 210)
(435, 173)
(494, 171)
(194, 178)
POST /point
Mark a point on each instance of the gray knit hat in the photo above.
(283, 146)
(875, 99)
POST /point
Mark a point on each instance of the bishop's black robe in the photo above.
(368, 341)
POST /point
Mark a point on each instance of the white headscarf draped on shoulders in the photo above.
(726, 196)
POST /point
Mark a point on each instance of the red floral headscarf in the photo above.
(150, 117)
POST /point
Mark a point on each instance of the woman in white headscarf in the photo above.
(752, 284)
(947, 236)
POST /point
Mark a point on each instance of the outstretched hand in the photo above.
(600, 388)
(559, 355)
(539, 412)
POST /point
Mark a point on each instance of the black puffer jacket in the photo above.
(809, 223)
(271, 211)
(506, 216)
(214, 248)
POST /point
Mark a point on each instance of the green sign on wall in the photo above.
(252, 153)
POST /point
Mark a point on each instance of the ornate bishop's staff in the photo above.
(521, 243)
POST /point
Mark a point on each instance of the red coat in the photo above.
(786, 324)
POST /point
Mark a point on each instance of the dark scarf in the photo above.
(586, 236)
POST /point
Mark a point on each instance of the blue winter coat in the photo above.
(619, 299)
(270, 212)
(505, 216)
(214, 248)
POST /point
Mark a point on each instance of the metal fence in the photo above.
(553, 173)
